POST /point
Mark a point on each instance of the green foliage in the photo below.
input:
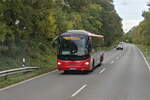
(141, 33)
(28, 26)
(145, 49)
(4, 30)
(48, 18)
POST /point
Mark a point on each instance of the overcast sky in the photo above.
(130, 11)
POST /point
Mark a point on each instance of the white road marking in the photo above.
(144, 58)
(102, 70)
(112, 62)
(23, 82)
(79, 90)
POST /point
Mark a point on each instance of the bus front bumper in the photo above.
(82, 65)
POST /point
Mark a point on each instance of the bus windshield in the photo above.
(73, 46)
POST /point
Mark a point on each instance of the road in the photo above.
(124, 75)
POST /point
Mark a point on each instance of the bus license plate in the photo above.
(72, 68)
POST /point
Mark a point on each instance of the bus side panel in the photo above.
(98, 58)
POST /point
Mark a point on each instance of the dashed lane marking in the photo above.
(112, 62)
(79, 90)
(102, 70)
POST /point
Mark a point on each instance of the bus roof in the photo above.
(70, 32)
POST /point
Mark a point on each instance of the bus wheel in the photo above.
(93, 65)
(101, 59)
(87, 71)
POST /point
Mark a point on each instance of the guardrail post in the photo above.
(23, 62)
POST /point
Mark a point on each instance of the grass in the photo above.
(45, 64)
(9, 63)
(146, 51)
(20, 77)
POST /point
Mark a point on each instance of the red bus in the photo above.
(76, 51)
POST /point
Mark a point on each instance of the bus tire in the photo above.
(101, 58)
(93, 65)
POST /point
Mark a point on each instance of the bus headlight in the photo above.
(59, 63)
(87, 63)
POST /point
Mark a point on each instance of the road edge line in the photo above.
(144, 58)
(25, 81)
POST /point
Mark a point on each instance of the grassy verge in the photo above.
(146, 51)
(48, 65)
(21, 77)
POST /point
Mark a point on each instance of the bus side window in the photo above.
(94, 43)
(90, 45)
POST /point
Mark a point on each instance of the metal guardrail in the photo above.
(16, 70)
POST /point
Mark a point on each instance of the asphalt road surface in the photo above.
(124, 75)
